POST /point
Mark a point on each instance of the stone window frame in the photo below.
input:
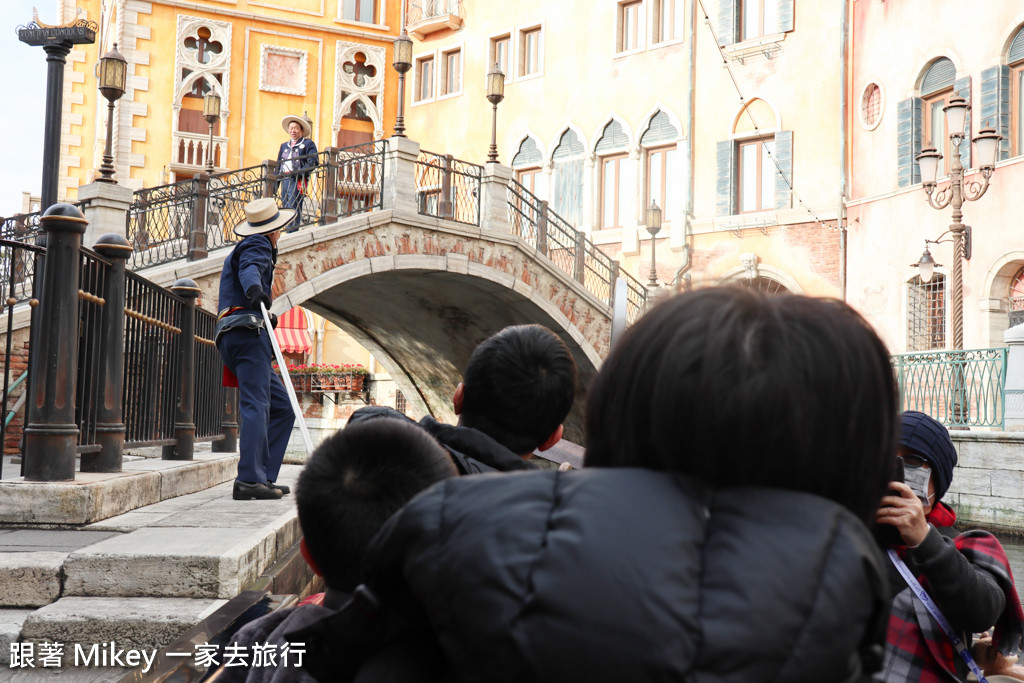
(267, 49)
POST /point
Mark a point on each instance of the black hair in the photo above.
(737, 388)
(518, 386)
(354, 481)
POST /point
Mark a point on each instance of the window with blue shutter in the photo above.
(785, 20)
(659, 131)
(728, 22)
(528, 154)
(783, 169)
(613, 139)
(908, 145)
(725, 178)
(995, 104)
(567, 178)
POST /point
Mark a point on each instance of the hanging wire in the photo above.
(750, 115)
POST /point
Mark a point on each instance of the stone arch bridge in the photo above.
(420, 291)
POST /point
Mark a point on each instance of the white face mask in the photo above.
(917, 479)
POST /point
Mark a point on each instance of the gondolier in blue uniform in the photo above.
(245, 346)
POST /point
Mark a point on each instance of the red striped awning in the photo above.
(291, 331)
(292, 340)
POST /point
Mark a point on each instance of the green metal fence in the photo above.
(958, 388)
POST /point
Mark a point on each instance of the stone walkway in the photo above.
(139, 579)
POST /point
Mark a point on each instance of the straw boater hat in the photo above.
(262, 216)
(306, 125)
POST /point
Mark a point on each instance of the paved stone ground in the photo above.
(99, 675)
(175, 520)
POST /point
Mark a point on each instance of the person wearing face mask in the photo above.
(966, 575)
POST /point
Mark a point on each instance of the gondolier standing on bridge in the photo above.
(297, 154)
(245, 346)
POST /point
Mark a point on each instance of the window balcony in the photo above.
(188, 151)
(430, 16)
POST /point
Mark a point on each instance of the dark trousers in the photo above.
(291, 198)
(266, 412)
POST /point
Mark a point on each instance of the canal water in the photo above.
(1015, 553)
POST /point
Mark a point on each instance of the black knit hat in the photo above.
(928, 438)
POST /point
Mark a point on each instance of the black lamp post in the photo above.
(112, 72)
(653, 223)
(211, 112)
(402, 62)
(495, 94)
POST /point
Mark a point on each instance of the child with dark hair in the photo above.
(737, 446)
(516, 390)
(351, 485)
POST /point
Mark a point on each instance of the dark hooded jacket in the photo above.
(472, 451)
(615, 575)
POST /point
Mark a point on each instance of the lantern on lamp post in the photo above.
(652, 220)
(402, 62)
(495, 94)
(112, 74)
(211, 112)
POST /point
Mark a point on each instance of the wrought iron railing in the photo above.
(569, 249)
(18, 263)
(160, 221)
(23, 227)
(448, 188)
(358, 179)
(210, 393)
(20, 227)
(958, 388)
(91, 278)
(151, 362)
(192, 216)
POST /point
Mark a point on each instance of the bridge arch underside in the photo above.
(424, 324)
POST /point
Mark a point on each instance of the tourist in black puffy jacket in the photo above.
(737, 444)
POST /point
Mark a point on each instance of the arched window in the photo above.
(567, 178)
(615, 179)
(1015, 61)
(1017, 298)
(926, 313)
(765, 285)
(936, 88)
(526, 163)
(659, 145)
(755, 167)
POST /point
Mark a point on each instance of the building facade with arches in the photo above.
(327, 59)
(896, 111)
(636, 107)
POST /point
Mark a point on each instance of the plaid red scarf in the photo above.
(920, 647)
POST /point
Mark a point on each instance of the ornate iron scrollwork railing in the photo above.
(959, 388)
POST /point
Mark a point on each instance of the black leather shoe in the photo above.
(245, 490)
(285, 490)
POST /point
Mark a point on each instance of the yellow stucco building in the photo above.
(725, 113)
(327, 58)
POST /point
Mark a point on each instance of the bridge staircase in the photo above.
(142, 577)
